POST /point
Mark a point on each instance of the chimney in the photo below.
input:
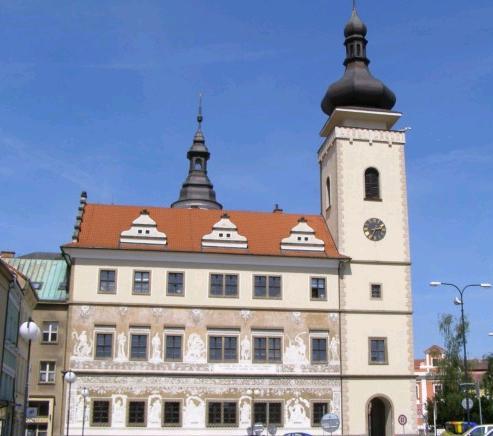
(4, 254)
(277, 209)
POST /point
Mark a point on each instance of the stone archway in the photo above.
(379, 412)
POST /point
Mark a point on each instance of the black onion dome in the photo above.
(355, 26)
(357, 87)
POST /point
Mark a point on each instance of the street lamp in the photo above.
(460, 302)
(252, 393)
(29, 331)
(85, 393)
(70, 377)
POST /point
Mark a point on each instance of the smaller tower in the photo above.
(197, 190)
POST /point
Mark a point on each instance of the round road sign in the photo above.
(402, 419)
(467, 403)
(330, 422)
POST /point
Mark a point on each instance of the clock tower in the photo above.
(364, 202)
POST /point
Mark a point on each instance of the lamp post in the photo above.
(29, 331)
(70, 377)
(463, 330)
(85, 393)
(252, 393)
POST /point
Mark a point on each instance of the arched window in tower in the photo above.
(327, 186)
(372, 184)
(197, 165)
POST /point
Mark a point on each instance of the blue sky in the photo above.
(102, 95)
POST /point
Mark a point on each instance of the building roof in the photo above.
(102, 225)
(48, 276)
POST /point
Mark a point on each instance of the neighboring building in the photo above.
(17, 300)
(48, 273)
(427, 381)
(193, 320)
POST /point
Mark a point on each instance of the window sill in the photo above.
(373, 199)
(106, 292)
(49, 343)
(378, 363)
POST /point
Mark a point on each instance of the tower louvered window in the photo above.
(372, 184)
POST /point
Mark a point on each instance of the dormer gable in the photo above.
(224, 234)
(302, 237)
(143, 231)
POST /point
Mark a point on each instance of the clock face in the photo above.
(374, 229)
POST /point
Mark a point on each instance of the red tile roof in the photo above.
(102, 224)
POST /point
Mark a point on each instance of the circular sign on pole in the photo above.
(402, 419)
(330, 422)
(467, 403)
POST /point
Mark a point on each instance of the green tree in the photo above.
(450, 373)
(487, 383)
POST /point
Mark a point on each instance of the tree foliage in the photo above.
(451, 375)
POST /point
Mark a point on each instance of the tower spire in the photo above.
(357, 87)
(197, 190)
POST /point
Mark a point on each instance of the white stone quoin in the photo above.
(224, 234)
(143, 231)
(303, 238)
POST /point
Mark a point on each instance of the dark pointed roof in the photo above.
(357, 87)
(197, 190)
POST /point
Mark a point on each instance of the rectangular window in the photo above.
(100, 413)
(318, 288)
(267, 349)
(142, 282)
(319, 410)
(378, 350)
(172, 414)
(47, 372)
(43, 408)
(224, 285)
(267, 287)
(223, 349)
(138, 346)
(104, 345)
(50, 332)
(267, 413)
(175, 283)
(222, 414)
(107, 281)
(173, 347)
(376, 290)
(136, 413)
(319, 350)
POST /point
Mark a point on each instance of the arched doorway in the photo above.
(379, 417)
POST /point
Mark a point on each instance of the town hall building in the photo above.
(195, 319)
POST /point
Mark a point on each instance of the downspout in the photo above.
(340, 271)
(5, 328)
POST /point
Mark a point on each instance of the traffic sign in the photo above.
(467, 403)
(402, 419)
(330, 422)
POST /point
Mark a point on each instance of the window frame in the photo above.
(268, 402)
(267, 336)
(222, 401)
(267, 287)
(325, 298)
(104, 331)
(312, 404)
(50, 332)
(139, 332)
(91, 418)
(223, 295)
(223, 334)
(328, 192)
(136, 400)
(140, 271)
(100, 270)
(172, 400)
(371, 291)
(319, 335)
(386, 358)
(168, 284)
(379, 189)
(170, 332)
(47, 372)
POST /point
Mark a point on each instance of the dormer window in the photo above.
(302, 238)
(143, 231)
(224, 234)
